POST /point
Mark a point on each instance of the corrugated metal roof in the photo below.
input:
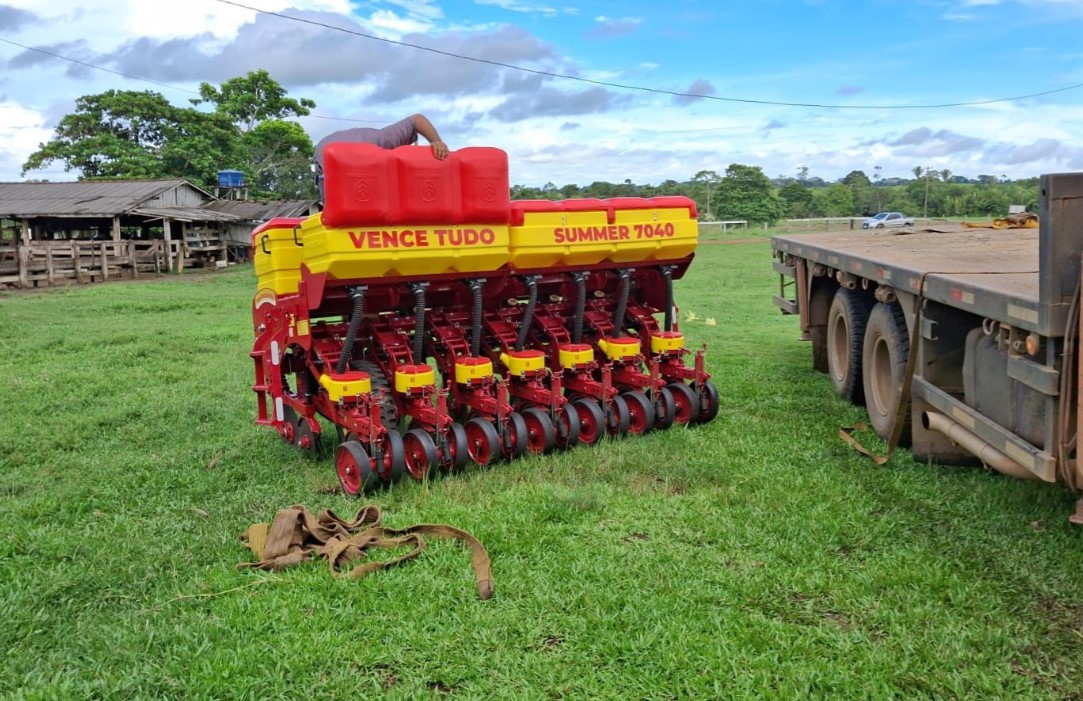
(262, 211)
(185, 213)
(84, 198)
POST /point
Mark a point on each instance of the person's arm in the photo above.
(426, 129)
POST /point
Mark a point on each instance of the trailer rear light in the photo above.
(1034, 344)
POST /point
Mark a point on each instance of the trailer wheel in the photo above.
(421, 458)
(685, 399)
(846, 322)
(887, 346)
(354, 471)
(513, 443)
(482, 440)
(591, 420)
(665, 408)
(541, 435)
(709, 402)
(641, 414)
(567, 427)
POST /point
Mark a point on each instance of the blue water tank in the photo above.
(230, 178)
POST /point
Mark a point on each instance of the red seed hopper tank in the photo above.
(435, 323)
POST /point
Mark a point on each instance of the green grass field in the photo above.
(755, 557)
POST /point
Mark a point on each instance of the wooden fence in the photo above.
(48, 263)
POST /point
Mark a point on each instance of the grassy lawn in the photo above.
(755, 557)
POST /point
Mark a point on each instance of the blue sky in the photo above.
(871, 67)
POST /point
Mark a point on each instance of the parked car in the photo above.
(886, 220)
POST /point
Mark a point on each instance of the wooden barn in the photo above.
(236, 235)
(55, 233)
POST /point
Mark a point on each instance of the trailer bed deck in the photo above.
(990, 272)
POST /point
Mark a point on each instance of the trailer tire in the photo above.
(846, 322)
(884, 356)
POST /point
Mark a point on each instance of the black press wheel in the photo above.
(482, 440)
(887, 346)
(458, 452)
(618, 417)
(513, 443)
(393, 456)
(354, 469)
(567, 427)
(665, 408)
(591, 420)
(641, 414)
(708, 402)
(421, 458)
(846, 321)
(541, 435)
(685, 399)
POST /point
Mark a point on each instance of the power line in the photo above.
(640, 88)
(97, 68)
(154, 82)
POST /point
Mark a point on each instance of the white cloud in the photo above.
(544, 10)
(554, 129)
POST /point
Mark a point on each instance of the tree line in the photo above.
(245, 124)
(139, 135)
(746, 193)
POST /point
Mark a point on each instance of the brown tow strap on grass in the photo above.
(297, 536)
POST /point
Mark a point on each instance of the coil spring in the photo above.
(580, 306)
(622, 303)
(419, 321)
(475, 331)
(357, 294)
(528, 314)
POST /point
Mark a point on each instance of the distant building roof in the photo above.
(84, 198)
(184, 213)
(262, 211)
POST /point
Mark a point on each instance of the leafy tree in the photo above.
(278, 157)
(864, 199)
(746, 193)
(707, 178)
(251, 99)
(856, 178)
(569, 192)
(798, 199)
(137, 135)
(835, 201)
(140, 135)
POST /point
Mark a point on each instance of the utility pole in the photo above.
(925, 214)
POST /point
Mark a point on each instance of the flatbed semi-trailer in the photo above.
(993, 315)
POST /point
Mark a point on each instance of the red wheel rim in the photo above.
(588, 427)
(477, 443)
(685, 401)
(637, 423)
(349, 472)
(535, 433)
(417, 462)
(289, 432)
